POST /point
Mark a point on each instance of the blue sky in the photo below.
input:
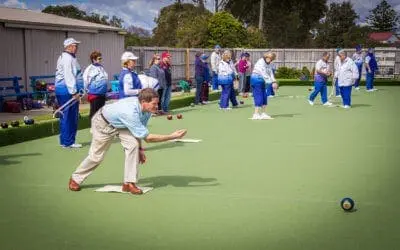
(142, 12)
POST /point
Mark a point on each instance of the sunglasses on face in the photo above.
(99, 58)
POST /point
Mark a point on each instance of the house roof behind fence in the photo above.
(380, 36)
(23, 18)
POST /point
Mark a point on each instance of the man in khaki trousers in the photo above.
(127, 119)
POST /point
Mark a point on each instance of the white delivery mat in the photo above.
(118, 189)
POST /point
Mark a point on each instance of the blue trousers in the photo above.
(214, 81)
(320, 88)
(68, 121)
(345, 92)
(337, 91)
(228, 93)
(270, 90)
(369, 82)
(199, 83)
(260, 95)
(166, 98)
(242, 82)
(357, 82)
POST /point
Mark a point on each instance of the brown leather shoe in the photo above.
(73, 186)
(132, 188)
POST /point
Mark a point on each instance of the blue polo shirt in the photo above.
(127, 113)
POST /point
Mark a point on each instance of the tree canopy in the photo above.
(175, 20)
(226, 31)
(338, 24)
(286, 23)
(383, 17)
(71, 11)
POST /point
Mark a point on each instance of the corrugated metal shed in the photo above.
(22, 18)
(30, 43)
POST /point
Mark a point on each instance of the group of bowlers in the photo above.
(346, 75)
(128, 117)
(262, 79)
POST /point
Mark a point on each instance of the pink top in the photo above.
(242, 66)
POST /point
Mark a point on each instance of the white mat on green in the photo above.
(118, 189)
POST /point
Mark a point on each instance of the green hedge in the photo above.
(292, 73)
(45, 128)
(39, 130)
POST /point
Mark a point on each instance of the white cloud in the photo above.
(397, 8)
(362, 7)
(133, 12)
(14, 4)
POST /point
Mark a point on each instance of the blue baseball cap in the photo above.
(358, 47)
(203, 56)
(217, 47)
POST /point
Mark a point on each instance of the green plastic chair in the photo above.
(184, 85)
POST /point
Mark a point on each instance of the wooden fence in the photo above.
(183, 59)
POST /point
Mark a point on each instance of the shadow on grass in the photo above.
(178, 181)
(85, 144)
(164, 181)
(361, 105)
(182, 110)
(164, 145)
(6, 159)
(285, 115)
(244, 106)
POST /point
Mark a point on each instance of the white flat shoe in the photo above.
(264, 116)
(75, 145)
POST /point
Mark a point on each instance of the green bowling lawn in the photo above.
(248, 185)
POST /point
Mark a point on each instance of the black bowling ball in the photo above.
(4, 125)
(29, 122)
(15, 124)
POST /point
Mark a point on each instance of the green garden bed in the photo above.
(46, 126)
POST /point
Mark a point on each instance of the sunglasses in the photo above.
(158, 58)
(99, 58)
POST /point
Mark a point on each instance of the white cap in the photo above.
(70, 41)
(128, 56)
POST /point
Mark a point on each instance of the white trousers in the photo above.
(103, 135)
